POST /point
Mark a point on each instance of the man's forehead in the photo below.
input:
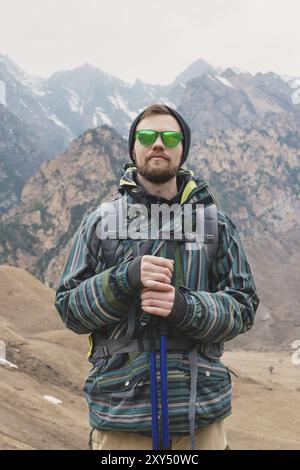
(159, 122)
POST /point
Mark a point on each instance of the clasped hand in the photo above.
(157, 294)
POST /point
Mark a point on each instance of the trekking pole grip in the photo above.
(163, 327)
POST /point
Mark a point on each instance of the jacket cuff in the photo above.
(179, 308)
(134, 273)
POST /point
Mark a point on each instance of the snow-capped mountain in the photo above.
(21, 153)
(218, 101)
(24, 96)
(56, 110)
(195, 70)
(71, 101)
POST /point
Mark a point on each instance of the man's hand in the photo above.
(157, 296)
(156, 272)
(159, 301)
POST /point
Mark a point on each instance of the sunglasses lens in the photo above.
(146, 137)
(171, 138)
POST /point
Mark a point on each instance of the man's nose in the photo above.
(158, 142)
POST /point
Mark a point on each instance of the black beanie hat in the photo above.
(184, 128)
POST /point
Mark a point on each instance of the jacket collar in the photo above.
(192, 183)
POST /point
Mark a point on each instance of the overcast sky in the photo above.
(154, 40)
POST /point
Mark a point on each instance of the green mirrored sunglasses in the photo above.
(147, 137)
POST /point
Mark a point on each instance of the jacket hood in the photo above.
(195, 188)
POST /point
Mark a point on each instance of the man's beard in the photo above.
(157, 175)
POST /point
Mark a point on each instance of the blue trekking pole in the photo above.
(163, 327)
(163, 330)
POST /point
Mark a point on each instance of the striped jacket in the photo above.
(219, 305)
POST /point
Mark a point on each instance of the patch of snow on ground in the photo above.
(4, 362)
(53, 400)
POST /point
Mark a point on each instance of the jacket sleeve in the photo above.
(229, 308)
(90, 297)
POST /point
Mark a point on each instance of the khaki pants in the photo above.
(211, 437)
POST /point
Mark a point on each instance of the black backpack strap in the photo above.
(141, 345)
(113, 346)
